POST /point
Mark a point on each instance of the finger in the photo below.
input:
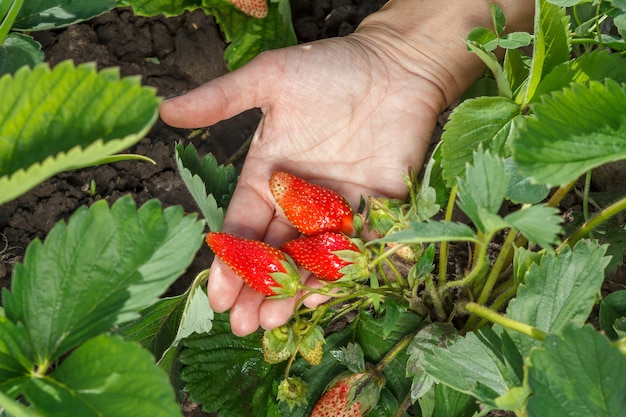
(276, 312)
(223, 287)
(244, 315)
(221, 98)
(313, 300)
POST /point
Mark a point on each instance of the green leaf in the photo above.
(197, 316)
(249, 36)
(166, 7)
(50, 14)
(551, 46)
(376, 341)
(560, 290)
(612, 308)
(540, 224)
(498, 17)
(482, 189)
(210, 184)
(484, 120)
(14, 353)
(73, 119)
(18, 50)
(515, 40)
(452, 403)
(245, 381)
(105, 376)
(578, 374)
(431, 231)
(572, 132)
(433, 335)
(483, 36)
(516, 66)
(520, 189)
(492, 62)
(479, 364)
(98, 270)
(155, 329)
(8, 405)
(592, 66)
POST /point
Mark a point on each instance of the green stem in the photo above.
(594, 222)
(399, 347)
(476, 270)
(443, 247)
(434, 295)
(396, 273)
(498, 266)
(7, 23)
(494, 317)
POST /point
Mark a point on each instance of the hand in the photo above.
(338, 112)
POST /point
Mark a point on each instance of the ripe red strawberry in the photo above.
(254, 8)
(263, 268)
(327, 254)
(350, 395)
(311, 208)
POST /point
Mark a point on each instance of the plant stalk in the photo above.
(494, 317)
(594, 222)
(443, 247)
(9, 19)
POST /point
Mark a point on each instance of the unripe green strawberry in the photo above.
(350, 395)
(278, 344)
(263, 268)
(292, 390)
(311, 208)
(327, 255)
(310, 341)
(313, 355)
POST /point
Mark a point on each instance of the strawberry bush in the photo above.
(525, 327)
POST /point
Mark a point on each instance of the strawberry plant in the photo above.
(529, 325)
(249, 26)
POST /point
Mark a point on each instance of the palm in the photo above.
(334, 113)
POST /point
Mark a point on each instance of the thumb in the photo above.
(221, 98)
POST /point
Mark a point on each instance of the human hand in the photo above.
(337, 112)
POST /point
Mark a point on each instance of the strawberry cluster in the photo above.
(322, 216)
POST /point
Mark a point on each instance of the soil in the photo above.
(173, 55)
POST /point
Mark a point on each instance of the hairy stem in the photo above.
(494, 317)
(594, 222)
(443, 247)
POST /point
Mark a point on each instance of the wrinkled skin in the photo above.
(337, 112)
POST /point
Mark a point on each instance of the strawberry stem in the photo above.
(494, 317)
(398, 347)
(443, 247)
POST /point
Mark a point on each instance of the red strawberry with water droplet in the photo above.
(350, 395)
(254, 8)
(311, 208)
(263, 268)
(329, 256)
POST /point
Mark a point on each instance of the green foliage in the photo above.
(578, 373)
(558, 114)
(210, 184)
(247, 36)
(77, 117)
(89, 275)
(572, 132)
